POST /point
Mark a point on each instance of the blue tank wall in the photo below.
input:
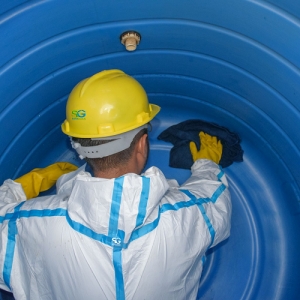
(234, 63)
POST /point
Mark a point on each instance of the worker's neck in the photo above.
(112, 173)
(135, 164)
(117, 172)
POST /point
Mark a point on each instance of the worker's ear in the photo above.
(142, 146)
(141, 153)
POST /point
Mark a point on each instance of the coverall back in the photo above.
(132, 237)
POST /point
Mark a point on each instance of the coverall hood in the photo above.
(100, 196)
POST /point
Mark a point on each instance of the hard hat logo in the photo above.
(78, 114)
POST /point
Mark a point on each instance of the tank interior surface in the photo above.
(234, 63)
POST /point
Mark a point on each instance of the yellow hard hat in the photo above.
(108, 103)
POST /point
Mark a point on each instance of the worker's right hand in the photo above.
(210, 148)
(40, 180)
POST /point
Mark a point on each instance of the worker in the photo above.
(121, 233)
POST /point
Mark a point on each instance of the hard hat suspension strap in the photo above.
(119, 143)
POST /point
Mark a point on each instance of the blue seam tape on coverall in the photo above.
(217, 193)
(115, 207)
(221, 174)
(10, 246)
(116, 239)
(117, 262)
(143, 201)
(199, 202)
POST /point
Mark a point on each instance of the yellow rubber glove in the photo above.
(40, 180)
(210, 148)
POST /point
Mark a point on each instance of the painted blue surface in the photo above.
(236, 64)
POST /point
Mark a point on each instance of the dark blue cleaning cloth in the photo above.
(182, 134)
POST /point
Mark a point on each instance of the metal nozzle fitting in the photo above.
(130, 39)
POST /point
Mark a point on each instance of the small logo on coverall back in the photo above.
(116, 241)
(78, 114)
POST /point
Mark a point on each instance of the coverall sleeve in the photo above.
(11, 192)
(209, 188)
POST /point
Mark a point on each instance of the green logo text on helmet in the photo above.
(108, 103)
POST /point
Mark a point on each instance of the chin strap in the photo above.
(118, 143)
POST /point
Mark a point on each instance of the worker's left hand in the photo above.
(210, 148)
(40, 180)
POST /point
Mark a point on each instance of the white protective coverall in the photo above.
(132, 237)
